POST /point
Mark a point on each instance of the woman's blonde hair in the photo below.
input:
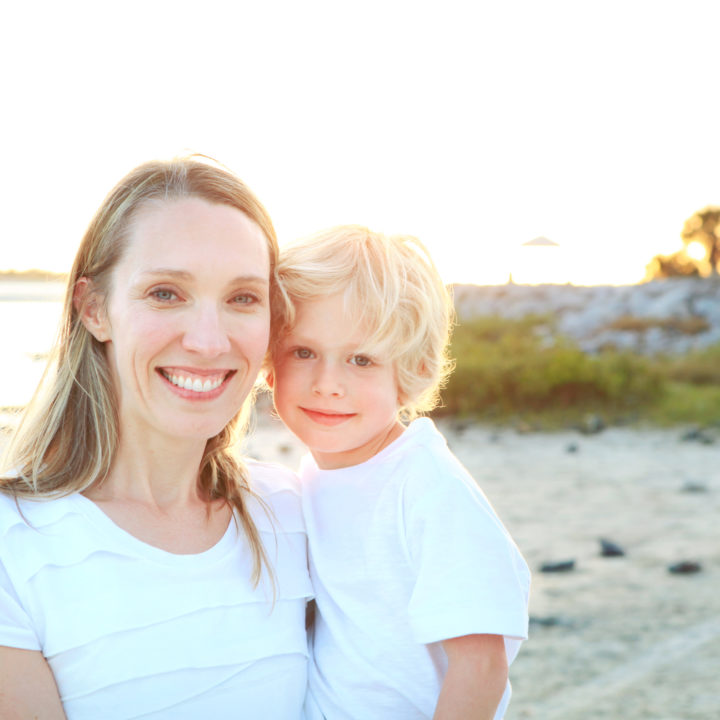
(392, 289)
(67, 439)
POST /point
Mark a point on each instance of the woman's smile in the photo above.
(196, 384)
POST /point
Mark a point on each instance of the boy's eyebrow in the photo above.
(296, 339)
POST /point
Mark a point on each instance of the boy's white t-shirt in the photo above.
(405, 551)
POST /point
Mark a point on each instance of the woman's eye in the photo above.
(361, 360)
(244, 299)
(163, 294)
(303, 353)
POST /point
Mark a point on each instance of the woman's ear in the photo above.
(270, 378)
(89, 305)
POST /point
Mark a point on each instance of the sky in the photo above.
(476, 126)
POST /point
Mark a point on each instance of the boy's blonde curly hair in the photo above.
(392, 287)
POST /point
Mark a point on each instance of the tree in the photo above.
(677, 264)
(704, 227)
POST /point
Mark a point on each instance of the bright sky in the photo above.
(476, 126)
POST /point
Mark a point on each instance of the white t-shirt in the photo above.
(132, 631)
(405, 551)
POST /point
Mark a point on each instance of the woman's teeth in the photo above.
(195, 384)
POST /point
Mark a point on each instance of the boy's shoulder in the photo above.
(425, 462)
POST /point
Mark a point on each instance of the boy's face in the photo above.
(341, 404)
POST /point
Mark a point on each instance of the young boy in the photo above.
(421, 593)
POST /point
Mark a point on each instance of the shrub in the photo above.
(507, 366)
(692, 325)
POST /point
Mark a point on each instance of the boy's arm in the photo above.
(476, 678)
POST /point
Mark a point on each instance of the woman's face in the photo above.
(187, 319)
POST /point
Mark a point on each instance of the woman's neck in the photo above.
(158, 473)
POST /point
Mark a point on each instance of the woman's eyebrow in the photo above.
(185, 275)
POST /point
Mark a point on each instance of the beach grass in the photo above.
(522, 371)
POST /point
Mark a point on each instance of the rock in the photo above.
(459, 426)
(549, 621)
(694, 487)
(697, 435)
(557, 567)
(665, 312)
(686, 567)
(610, 549)
(592, 424)
(572, 448)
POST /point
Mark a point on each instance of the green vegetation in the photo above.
(682, 326)
(510, 370)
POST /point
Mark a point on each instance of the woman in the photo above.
(160, 577)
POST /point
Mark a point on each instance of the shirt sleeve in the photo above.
(470, 576)
(16, 628)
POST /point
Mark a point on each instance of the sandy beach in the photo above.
(617, 637)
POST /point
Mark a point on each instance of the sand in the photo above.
(617, 637)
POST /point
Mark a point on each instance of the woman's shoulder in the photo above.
(36, 534)
(21, 512)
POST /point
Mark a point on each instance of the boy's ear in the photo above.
(90, 308)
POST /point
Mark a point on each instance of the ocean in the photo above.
(29, 317)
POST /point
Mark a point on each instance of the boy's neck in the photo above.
(336, 461)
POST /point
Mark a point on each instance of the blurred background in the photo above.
(559, 159)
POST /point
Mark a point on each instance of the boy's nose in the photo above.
(205, 333)
(327, 381)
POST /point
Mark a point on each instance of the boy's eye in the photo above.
(303, 353)
(361, 360)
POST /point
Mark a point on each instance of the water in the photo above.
(29, 317)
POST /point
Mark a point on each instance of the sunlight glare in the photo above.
(696, 250)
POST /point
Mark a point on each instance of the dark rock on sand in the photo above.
(698, 435)
(549, 621)
(694, 487)
(610, 549)
(686, 567)
(591, 424)
(557, 567)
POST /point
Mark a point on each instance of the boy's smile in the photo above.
(324, 417)
(342, 404)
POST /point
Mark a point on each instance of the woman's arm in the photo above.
(475, 680)
(27, 687)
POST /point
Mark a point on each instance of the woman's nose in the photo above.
(205, 333)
